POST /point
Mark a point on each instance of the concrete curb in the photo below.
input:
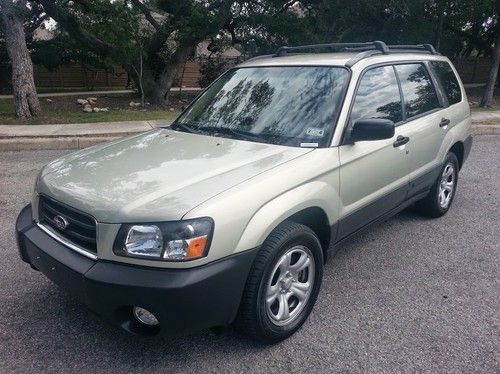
(84, 140)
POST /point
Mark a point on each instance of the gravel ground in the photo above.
(410, 295)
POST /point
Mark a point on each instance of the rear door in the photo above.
(426, 124)
(373, 174)
(451, 93)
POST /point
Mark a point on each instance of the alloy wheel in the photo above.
(446, 185)
(290, 285)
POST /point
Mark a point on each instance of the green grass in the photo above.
(58, 116)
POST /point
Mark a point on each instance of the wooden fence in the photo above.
(76, 76)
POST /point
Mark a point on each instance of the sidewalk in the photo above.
(82, 135)
(106, 92)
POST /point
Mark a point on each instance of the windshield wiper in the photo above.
(235, 133)
(178, 125)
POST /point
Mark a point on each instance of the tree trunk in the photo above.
(439, 32)
(160, 91)
(155, 87)
(23, 84)
(487, 99)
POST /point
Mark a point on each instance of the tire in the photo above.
(435, 204)
(274, 276)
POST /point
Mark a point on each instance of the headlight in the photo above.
(167, 241)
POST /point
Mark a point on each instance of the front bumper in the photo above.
(183, 300)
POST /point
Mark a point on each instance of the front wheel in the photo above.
(439, 200)
(283, 284)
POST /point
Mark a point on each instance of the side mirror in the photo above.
(372, 129)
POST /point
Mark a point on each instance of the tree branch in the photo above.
(147, 13)
(478, 42)
(71, 26)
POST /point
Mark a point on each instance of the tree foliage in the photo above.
(163, 34)
(160, 35)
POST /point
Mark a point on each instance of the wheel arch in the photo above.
(316, 219)
(459, 150)
(314, 205)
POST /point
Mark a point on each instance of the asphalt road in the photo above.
(410, 295)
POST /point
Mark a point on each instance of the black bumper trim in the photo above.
(183, 300)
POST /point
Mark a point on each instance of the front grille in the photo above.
(80, 227)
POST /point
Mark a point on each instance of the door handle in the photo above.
(444, 122)
(400, 140)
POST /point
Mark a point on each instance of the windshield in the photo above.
(294, 106)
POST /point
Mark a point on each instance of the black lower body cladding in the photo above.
(183, 300)
(467, 147)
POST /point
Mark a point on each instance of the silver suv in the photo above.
(228, 215)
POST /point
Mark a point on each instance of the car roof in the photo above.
(333, 59)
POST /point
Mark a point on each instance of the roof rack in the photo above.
(375, 46)
(416, 47)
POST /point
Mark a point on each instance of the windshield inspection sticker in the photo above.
(315, 133)
(309, 145)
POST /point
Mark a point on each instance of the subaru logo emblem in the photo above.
(61, 222)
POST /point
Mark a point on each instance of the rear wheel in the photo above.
(439, 200)
(283, 284)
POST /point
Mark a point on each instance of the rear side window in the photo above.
(448, 81)
(418, 92)
(378, 96)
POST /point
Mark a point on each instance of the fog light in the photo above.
(145, 316)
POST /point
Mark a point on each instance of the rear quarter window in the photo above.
(448, 80)
(418, 91)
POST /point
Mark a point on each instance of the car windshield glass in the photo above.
(294, 106)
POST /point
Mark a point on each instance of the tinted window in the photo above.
(448, 81)
(378, 96)
(418, 91)
(280, 105)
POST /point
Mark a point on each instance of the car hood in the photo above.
(156, 176)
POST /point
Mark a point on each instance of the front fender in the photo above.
(314, 194)
(245, 214)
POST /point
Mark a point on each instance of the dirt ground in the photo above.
(118, 102)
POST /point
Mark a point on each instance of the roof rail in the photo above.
(377, 46)
(414, 47)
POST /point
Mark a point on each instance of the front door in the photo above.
(373, 174)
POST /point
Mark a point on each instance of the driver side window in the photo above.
(378, 96)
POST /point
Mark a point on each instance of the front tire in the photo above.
(439, 199)
(283, 284)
